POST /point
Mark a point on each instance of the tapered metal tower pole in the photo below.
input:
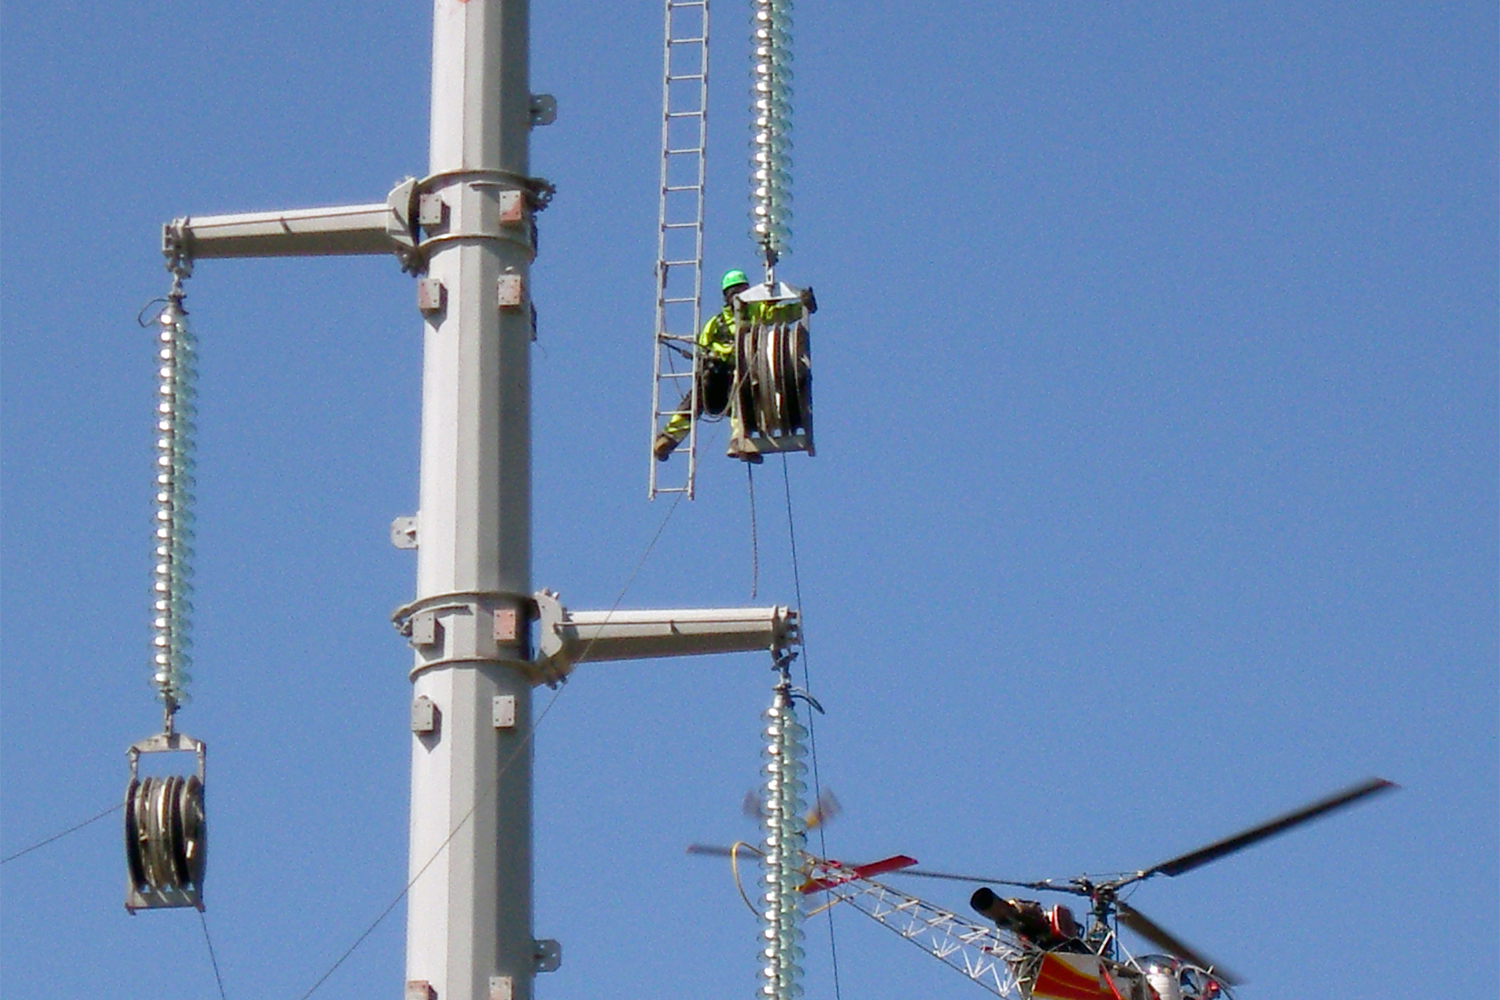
(469, 930)
(482, 638)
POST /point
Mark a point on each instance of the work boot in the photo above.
(745, 454)
(665, 445)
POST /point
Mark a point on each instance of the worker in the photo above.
(716, 361)
(715, 369)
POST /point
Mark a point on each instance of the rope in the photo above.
(211, 956)
(58, 836)
(812, 727)
(734, 867)
(754, 535)
(483, 798)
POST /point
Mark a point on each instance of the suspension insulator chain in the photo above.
(173, 532)
(166, 834)
(785, 862)
(771, 130)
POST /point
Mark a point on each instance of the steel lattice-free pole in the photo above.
(469, 914)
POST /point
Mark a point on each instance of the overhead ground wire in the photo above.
(505, 765)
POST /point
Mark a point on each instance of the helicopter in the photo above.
(1030, 951)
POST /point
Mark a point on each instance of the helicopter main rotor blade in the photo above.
(719, 851)
(982, 880)
(1159, 936)
(712, 850)
(1215, 851)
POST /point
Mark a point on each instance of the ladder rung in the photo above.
(678, 301)
(686, 41)
(685, 114)
(683, 187)
(684, 150)
(680, 338)
(679, 225)
(684, 76)
(678, 263)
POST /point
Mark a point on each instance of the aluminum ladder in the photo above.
(679, 240)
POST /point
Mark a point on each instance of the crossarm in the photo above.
(567, 637)
(376, 228)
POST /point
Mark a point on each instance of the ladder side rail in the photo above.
(697, 304)
(659, 317)
(679, 216)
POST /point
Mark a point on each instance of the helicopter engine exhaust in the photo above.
(1048, 928)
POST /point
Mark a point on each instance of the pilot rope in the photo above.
(812, 732)
(754, 535)
(61, 834)
(173, 532)
(212, 956)
(524, 747)
(770, 130)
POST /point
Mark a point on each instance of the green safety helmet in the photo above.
(732, 278)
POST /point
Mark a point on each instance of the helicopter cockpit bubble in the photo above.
(1161, 973)
(1197, 984)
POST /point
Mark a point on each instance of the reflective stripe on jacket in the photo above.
(717, 339)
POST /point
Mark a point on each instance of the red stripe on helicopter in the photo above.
(1058, 980)
(847, 874)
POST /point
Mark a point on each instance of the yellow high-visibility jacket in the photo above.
(716, 341)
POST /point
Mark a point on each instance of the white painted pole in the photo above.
(469, 929)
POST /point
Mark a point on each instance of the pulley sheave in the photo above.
(166, 830)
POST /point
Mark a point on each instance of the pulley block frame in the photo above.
(772, 399)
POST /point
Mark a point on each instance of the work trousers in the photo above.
(715, 379)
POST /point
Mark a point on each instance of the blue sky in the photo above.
(1156, 488)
